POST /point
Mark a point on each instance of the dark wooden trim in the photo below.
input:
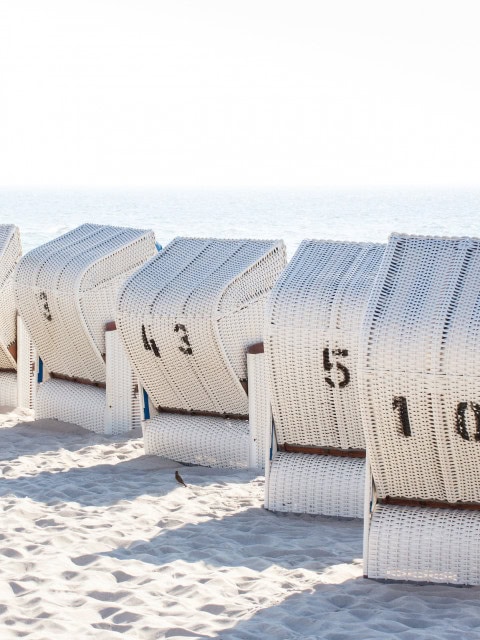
(12, 350)
(91, 383)
(111, 326)
(407, 502)
(256, 348)
(323, 451)
(6, 370)
(209, 414)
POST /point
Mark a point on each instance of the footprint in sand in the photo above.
(46, 522)
(10, 553)
(83, 561)
(117, 628)
(121, 576)
(109, 611)
(125, 616)
(17, 589)
(109, 596)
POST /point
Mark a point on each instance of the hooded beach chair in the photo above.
(186, 319)
(316, 454)
(17, 382)
(66, 293)
(420, 377)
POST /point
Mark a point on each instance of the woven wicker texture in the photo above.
(211, 442)
(122, 394)
(188, 315)
(329, 485)
(8, 389)
(425, 544)
(66, 291)
(26, 373)
(259, 411)
(82, 404)
(10, 252)
(420, 372)
(313, 319)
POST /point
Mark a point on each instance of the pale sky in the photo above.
(218, 93)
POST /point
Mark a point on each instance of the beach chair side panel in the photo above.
(10, 252)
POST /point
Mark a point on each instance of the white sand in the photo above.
(98, 540)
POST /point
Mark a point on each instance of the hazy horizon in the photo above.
(271, 94)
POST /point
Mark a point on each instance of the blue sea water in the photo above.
(366, 215)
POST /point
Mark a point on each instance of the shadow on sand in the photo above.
(108, 484)
(253, 538)
(366, 609)
(38, 436)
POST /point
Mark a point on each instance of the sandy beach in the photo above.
(99, 540)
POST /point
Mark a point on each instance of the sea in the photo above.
(288, 214)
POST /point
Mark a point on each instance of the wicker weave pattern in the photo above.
(10, 251)
(425, 544)
(259, 411)
(215, 441)
(312, 328)
(83, 404)
(212, 442)
(26, 373)
(302, 483)
(8, 389)
(187, 317)
(420, 374)
(66, 291)
(122, 396)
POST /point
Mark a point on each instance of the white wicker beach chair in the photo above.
(66, 293)
(420, 376)
(186, 319)
(17, 383)
(316, 459)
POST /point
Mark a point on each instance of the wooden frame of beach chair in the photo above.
(66, 292)
(17, 355)
(421, 381)
(186, 319)
(315, 445)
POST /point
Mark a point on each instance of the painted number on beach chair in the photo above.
(149, 345)
(400, 404)
(461, 421)
(46, 313)
(328, 366)
(185, 347)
